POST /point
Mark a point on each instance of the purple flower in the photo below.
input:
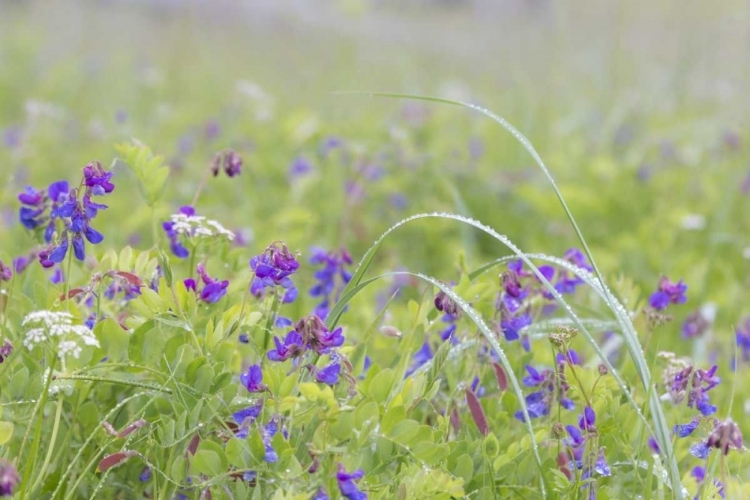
(535, 378)
(684, 430)
(329, 374)
(299, 167)
(700, 450)
(5, 350)
(291, 347)
(587, 420)
(253, 379)
(422, 356)
(347, 485)
(247, 415)
(316, 335)
(213, 290)
(97, 180)
(320, 495)
(725, 435)
(654, 445)
(145, 475)
(9, 478)
(331, 277)
(668, 293)
(511, 326)
(229, 160)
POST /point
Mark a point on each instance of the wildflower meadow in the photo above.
(253, 250)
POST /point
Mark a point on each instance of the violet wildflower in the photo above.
(145, 475)
(274, 267)
(700, 450)
(668, 293)
(742, 336)
(552, 386)
(684, 430)
(6, 273)
(67, 213)
(693, 383)
(695, 325)
(699, 473)
(5, 350)
(316, 335)
(291, 347)
(654, 445)
(229, 161)
(212, 291)
(422, 356)
(9, 478)
(329, 374)
(725, 435)
(253, 379)
(320, 495)
(331, 277)
(299, 167)
(347, 485)
(444, 303)
(566, 282)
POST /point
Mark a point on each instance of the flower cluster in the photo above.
(331, 277)
(273, 268)
(9, 478)
(49, 325)
(520, 289)
(212, 290)
(311, 334)
(667, 293)
(582, 437)
(194, 227)
(553, 387)
(66, 213)
(5, 350)
(693, 383)
(6, 273)
(229, 161)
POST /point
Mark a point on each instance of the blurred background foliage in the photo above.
(639, 109)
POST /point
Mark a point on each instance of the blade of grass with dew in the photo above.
(349, 294)
(634, 347)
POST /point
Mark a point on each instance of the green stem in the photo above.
(50, 447)
(66, 279)
(131, 383)
(31, 462)
(269, 324)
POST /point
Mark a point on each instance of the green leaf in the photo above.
(149, 170)
(6, 432)
(207, 462)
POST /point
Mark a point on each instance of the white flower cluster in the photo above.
(46, 325)
(198, 226)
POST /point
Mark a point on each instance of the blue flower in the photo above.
(331, 278)
(253, 379)
(684, 430)
(668, 293)
(291, 347)
(329, 374)
(347, 485)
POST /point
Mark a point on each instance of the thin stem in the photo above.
(131, 383)
(66, 279)
(203, 183)
(38, 431)
(51, 446)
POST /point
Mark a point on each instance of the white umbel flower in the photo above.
(199, 226)
(48, 325)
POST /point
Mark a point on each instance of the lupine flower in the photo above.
(331, 278)
(196, 228)
(347, 485)
(212, 291)
(253, 379)
(9, 478)
(668, 293)
(229, 161)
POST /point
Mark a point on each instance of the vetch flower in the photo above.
(5, 350)
(273, 268)
(347, 484)
(228, 161)
(684, 430)
(699, 473)
(331, 277)
(291, 347)
(9, 478)
(725, 435)
(253, 379)
(212, 291)
(668, 293)
(329, 374)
